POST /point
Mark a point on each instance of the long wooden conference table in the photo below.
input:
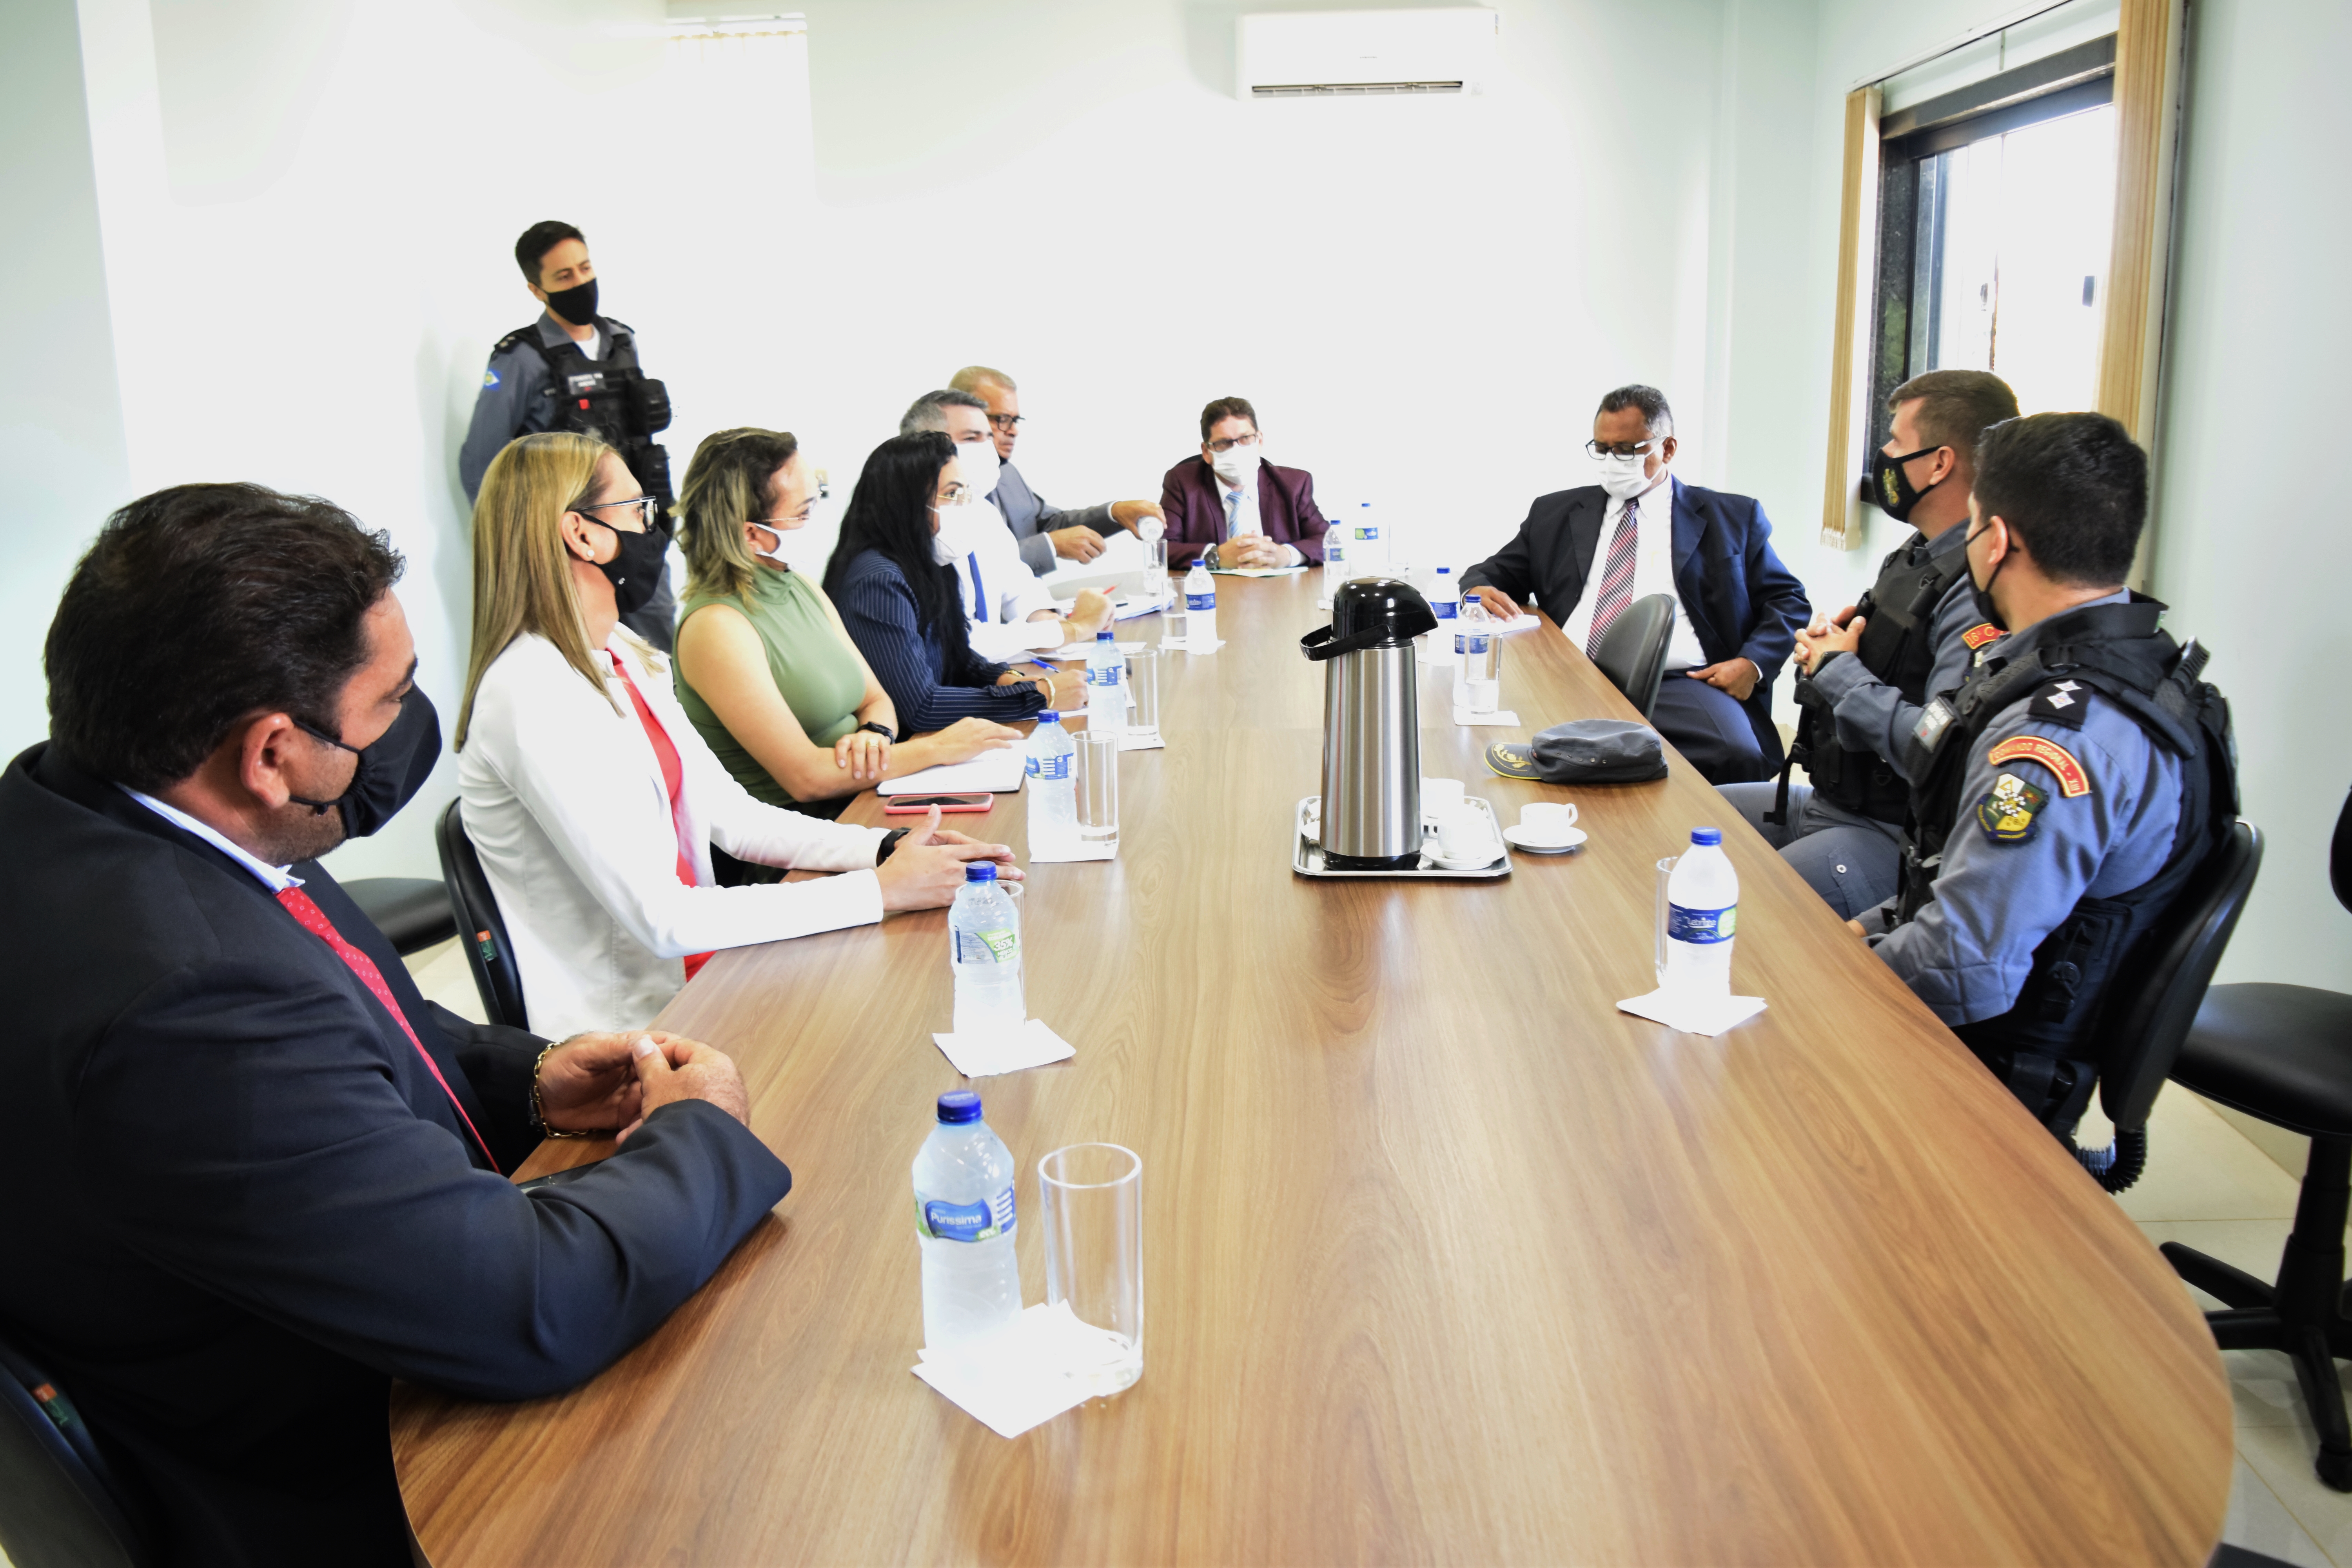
(1444, 1257)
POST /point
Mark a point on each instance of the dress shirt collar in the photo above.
(276, 878)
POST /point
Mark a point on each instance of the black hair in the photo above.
(1226, 409)
(1656, 417)
(1956, 406)
(199, 606)
(537, 241)
(2073, 486)
(890, 513)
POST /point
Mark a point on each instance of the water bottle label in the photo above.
(1368, 531)
(987, 946)
(1701, 926)
(1053, 767)
(1103, 675)
(1461, 640)
(1201, 601)
(966, 1222)
(1445, 608)
(1478, 646)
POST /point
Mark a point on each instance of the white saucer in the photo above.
(1475, 863)
(1538, 847)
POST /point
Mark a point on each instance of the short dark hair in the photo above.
(1656, 417)
(1226, 409)
(1956, 406)
(889, 512)
(537, 241)
(2073, 486)
(925, 412)
(198, 607)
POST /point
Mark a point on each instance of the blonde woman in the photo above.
(765, 670)
(592, 801)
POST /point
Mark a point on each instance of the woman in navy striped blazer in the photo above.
(897, 595)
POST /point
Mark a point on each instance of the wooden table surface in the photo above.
(1444, 1257)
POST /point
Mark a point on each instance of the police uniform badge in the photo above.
(491, 376)
(2006, 814)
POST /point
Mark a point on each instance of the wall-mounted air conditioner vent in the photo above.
(1357, 53)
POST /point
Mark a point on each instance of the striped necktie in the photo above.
(1232, 510)
(1617, 572)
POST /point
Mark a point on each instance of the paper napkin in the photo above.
(1134, 743)
(1693, 1014)
(1502, 716)
(978, 1054)
(1037, 1368)
(1075, 850)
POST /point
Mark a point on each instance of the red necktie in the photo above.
(314, 920)
(673, 779)
(1617, 572)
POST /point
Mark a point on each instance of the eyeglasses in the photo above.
(1248, 440)
(1624, 448)
(956, 494)
(798, 520)
(1008, 423)
(648, 512)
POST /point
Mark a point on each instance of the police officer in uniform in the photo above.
(2064, 795)
(574, 369)
(1865, 674)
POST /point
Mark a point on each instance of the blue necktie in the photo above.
(1232, 510)
(979, 593)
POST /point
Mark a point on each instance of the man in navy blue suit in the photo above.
(253, 1176)
(1584, 555)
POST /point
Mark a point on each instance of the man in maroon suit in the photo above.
(1233, 505)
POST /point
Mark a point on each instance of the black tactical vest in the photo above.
(2046, 1046)
(1898, 647)
(609, 398)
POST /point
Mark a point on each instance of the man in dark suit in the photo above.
(255, 1177)
(1586, 554)
(1048, 535)
(1232, 505)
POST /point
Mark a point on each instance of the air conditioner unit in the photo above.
(1352, 54)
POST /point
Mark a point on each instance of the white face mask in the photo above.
(1624, 478)
(1235, 464)
(979, 462)
(962, 529)
(943, 549)
(770, 557)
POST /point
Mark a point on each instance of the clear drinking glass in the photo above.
(1143, 691)
(1092, 1199)
(1665, 870)
(1097, 768)
(1155, 569)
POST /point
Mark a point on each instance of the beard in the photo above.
(298, 832)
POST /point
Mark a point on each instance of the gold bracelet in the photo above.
(538, 1106)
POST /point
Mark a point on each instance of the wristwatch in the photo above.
(889, 842)
(884, 731)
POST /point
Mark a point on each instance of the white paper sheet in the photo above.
(1693, 1015)
(1502, 716)
(1131, 742)
(1028, 1375)
(995, 773)
(1075, 850)
(1032, 1045)
(1253, 571)
(1523, 624)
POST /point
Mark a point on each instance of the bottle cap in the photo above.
(1104, 635)
(1049, 717)
(1706, 835)
(959, 1105)
(986, 871)
(1445, 571)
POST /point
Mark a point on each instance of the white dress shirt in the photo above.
(1653, 573)
(565, 804)
(999, 593)
(1240, 502)
(276, 878)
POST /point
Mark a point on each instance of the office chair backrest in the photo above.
(2339, 855)
(1633, 652)
(59, 1504)
(488, 951)
(2159, 1001)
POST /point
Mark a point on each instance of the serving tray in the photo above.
(1307, 850)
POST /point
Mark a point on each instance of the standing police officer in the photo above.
(1866, 673)
(574, 369)
(2066, 793)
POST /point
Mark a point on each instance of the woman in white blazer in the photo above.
(591, 799)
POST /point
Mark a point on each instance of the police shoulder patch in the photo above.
(2061, 702)
(491, 376)
(1976, 636)
(2072, 778)
(2007, 810)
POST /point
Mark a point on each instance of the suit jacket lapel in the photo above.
(1584, 518)
(1688, 526)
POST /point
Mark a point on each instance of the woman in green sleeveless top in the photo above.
(764, 667)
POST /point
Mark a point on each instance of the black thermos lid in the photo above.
(1393, 609)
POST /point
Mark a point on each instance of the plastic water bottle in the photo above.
(1470, 622)
(1367, 549)
(1702, 917)
(985, 950)
(1201, 603)
(1335, 559)
(1053, 792)
(965, 1216)
(1105, 686)
(1446, 601)
(1478, 678)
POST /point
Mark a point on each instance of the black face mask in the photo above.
(392, 769)
(1891, 489)
(1983, 596)
(637, 570)
(575, 305)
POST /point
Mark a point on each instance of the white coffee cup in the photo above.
(1439, 796)
(1463, 834)
(1547, 821)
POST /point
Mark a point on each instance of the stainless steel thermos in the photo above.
(1371, 725)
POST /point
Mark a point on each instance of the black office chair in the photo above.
(2283, 1053)
(488, 950)
(61, 1505)
(1633, 652)
(413, 913)
(2159, 1001)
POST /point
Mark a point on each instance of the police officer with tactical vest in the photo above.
(574, 369)
(1865, 674)
(2063, 796)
